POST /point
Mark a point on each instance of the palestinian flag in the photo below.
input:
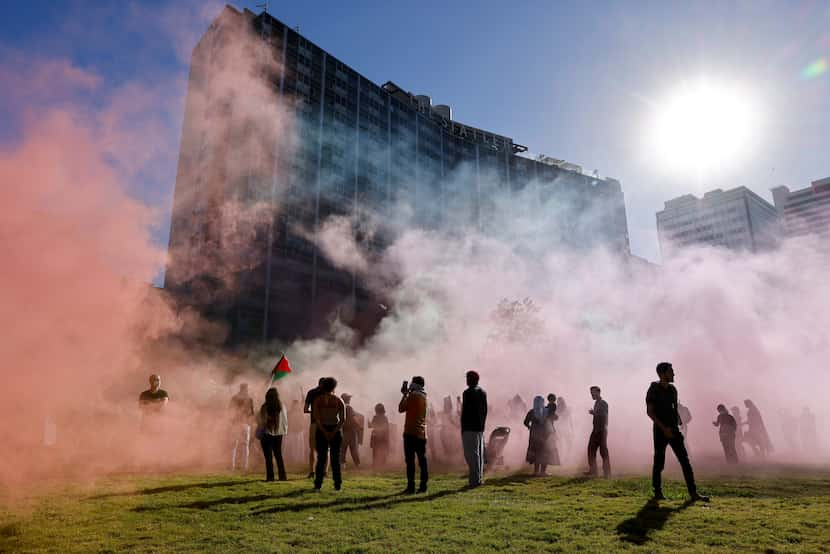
(280, 370)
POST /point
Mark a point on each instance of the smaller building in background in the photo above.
(806, 211)
(737, 219)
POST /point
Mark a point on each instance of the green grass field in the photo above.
(515, 513)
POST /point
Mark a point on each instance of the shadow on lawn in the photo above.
(651, 517)
(327, 504)
(362, 503)
(206, 504)
(402, 500)
(176, 488)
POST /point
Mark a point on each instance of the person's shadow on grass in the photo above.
(208, 504)
(651, 517)
(175, 488)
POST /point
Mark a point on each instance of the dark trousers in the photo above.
(380, 451)
(350, 445)
(413, 446)
(272, 446)
(325, 448)
(599, 441)
(679, 448)
(729, 450)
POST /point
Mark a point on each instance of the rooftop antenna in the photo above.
(264, 6)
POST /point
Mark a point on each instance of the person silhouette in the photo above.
(599, 435)
(727, 428)
(661, 407)
(756, 433)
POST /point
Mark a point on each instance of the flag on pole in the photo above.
(280, 370)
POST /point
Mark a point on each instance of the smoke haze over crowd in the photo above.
(84, 329)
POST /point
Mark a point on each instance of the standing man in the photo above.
(242, 410)
(312, 429)
(727, 429)
(329, 415)
(155, 398)
(350, 432)
(414, 404)
(599, 435)
(152, 403)
(661, 407)
(473, 418)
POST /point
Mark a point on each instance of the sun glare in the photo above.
(703, 126)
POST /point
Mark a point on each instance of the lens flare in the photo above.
(815, 69)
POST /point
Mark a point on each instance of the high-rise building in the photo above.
(357, 149)
(737, 219)
(806, 211)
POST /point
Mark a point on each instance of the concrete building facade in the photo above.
(806, 211)
(737, 219)
(358, 149)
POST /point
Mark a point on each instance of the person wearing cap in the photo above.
(661, 407)
(351, 432)
(473, 419)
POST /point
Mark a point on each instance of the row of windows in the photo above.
(708, 216)
(694, 234)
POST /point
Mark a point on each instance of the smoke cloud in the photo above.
(85, 329)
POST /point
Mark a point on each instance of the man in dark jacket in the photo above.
(473, 418)
(661, 407)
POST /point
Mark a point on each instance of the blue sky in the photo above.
(574, 80)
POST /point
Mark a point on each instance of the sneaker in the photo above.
(409, 490)
(338, 487)
(699, 498)
(658, 496)
(422, 488)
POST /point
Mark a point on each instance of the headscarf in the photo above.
(415, 388)
(539, 408)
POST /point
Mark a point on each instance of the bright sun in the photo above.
(703, 126)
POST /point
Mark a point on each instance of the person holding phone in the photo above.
(414, 404)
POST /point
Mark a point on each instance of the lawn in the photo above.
(516, 513)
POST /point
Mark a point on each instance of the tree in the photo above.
(516, 321)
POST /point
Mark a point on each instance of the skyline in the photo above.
(592, 107)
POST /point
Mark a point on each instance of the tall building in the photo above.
(357, 149)
(806, 211)
(737, 219)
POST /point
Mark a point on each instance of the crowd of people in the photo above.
(335, 430)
